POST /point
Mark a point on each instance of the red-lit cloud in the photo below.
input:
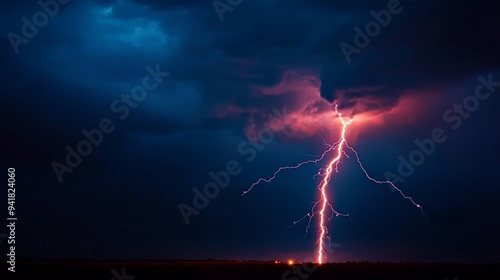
(308, 113)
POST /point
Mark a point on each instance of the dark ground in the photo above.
(154, 270)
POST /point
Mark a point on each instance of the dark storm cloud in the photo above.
(172, 4)
(366, 99)
(426, 44)
(208, 52)
(214, 63)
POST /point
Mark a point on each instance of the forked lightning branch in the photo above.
(322, 209)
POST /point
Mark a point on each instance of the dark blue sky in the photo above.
(228, 74)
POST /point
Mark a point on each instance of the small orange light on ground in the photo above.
(290, 262)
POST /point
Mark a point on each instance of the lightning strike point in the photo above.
(326, 173)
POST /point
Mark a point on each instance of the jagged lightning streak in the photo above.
(330, 148)
(323, 231)
(385, 182)
(323, 201)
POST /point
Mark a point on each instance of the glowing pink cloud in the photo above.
(309, 114)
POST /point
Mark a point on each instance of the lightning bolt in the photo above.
(323, 231)
(322, 207)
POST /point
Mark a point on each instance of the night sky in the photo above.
(181, 89)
